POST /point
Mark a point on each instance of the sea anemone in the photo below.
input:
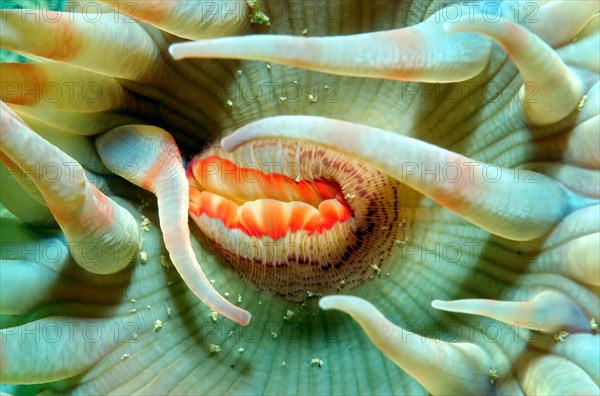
(456, 148)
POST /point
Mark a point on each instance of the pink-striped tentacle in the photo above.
(551, 89)
(102, 236)
(148, 157)
(505, 203)
(423, 52)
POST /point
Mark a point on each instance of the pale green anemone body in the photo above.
(496, 231)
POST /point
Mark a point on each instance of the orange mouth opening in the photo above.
(259, 203)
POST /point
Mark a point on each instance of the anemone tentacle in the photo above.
(551, 311)
(46, 82)
(417, 53)
(18, 198)
(148, 157)
(571, 16)
(491, 205)
(551, 89)
(98, 47)
(541, 374)
(88, 218)
(188, 19)
(439, 373)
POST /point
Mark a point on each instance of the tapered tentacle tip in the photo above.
(182, 50)
(236, 314)
(200, 286)
(451, 27)
(244, 318)
(437, 304)
(341, 303)
(244, 134)
(176, 51)
(328, 302)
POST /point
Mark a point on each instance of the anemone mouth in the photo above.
(296, 219)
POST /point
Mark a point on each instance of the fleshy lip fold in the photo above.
(296, 219)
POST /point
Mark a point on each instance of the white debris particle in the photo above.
(257, 15)
(239, 298)
(157, 324)
(212, 282)
(268, 67)
(239, 72)
(282, 99)
(560, 336)
(296, 82)
(149, 306)
(143, 203)
(259, 302)
(143, 257)
(305, 31)
(383, 227)
(133, 300)
(133, 310)
(399, 242)
(283, 363)
(124, 356)
(349, 196)
(145, 223)
(312, 99)
(164, 262)
(241, 350)
(376, 269)
(310, 293)
(493, 376)
(581, 103)
(273, 335)
(594, 324)
(134, 336)
(325, 87)
(170, 283)
(289, 314)
(226, 294)
(230, 333)
(169, 311)
(213, 315)
(229, 103)
(316, 362)
(214, 348)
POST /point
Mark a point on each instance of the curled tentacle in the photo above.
(505, 206)
(424, 52)
(551, 90)
(148, 157)
(103, 237)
